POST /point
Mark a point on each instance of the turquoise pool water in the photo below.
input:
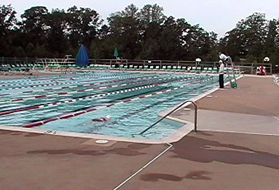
(69, 103)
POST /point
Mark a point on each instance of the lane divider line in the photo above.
(15, 83)
(87, 90)
(76, 86)
(56, 83)
(8, 112)
(87, 110)
(66, 93)
(19, 109)
(68, 77)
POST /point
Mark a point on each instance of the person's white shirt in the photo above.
(221, 68)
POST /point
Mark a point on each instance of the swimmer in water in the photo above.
(99, 120)
(102, 119)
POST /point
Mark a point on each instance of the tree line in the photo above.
(144, 33)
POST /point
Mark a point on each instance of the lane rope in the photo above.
(72, 86)
(80, 91)
(92, 109)
(87, 97)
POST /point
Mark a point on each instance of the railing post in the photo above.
(195, 121)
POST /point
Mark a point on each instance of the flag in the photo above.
(115, 52)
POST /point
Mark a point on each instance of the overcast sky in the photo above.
(219, 16)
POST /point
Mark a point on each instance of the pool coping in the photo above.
(174, 137)
(180, 133)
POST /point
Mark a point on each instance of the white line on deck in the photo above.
(145, 166)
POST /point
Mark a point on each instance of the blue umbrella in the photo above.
(82, 57)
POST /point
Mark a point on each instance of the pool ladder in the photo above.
(195, 121)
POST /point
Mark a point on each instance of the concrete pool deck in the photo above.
(254, 105)
(204, 160)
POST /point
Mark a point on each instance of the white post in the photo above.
(198, 61)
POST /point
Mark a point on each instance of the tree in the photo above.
(151, 19)
(197, 42)
(152, 13)
(124, 32)
(57, 42)
(272, 38)
(7, 24)
(130, 11)
(169, 42)
(82, 26)
(137, 33)
(34, 26)
(7, 19)
(271, 46)
(248, 38)
(150, 48)
(232, 44)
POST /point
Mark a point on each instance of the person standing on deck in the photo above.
(221, 74)
(223, 58)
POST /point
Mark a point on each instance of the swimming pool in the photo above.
(70, 102)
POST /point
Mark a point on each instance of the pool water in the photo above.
(70, 102)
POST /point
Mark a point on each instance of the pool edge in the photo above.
(172, 138)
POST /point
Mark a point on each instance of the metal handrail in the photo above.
(188, 101)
